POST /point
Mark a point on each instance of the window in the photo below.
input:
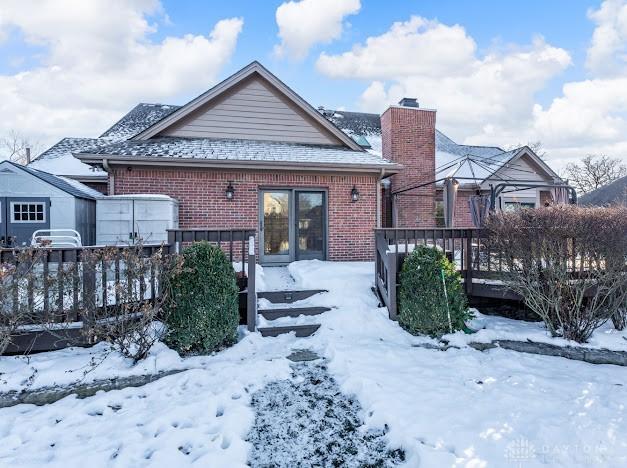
(28, 212)
(514, 206)
(440, 220)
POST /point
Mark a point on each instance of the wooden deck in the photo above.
(481, 270)
(52, 323)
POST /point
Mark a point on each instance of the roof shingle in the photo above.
(239, 150)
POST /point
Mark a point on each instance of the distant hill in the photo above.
(609, 194)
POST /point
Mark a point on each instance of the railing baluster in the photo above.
(46, 286)
(60, 288)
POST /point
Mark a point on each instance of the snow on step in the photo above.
(275, 313)
(289, 296)
(300, 330)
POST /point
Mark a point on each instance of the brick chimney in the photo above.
(408, 138)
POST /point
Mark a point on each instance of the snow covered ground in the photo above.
(459, 407)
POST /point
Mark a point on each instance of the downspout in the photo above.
(107, 168)
(379, 198)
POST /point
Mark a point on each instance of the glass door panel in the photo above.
(276, 226)
(310, 225)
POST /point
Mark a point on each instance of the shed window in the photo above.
(28, 212)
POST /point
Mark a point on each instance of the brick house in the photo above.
(250, 152)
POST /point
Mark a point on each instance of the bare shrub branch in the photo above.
(131, 290)
(567, 262)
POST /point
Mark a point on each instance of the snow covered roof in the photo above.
(139, 118)
(70, 186)
(209, 149)
(451, 159)
(614, 193)
(58, 159)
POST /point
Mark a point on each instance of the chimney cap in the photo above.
(408, 102)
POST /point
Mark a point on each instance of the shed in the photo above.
(31, 199)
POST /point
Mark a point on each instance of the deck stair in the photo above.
(284, 301)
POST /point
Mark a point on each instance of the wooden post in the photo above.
(251, 306)
(392, 282)
(89, 290)
(468, 264)
(172, 242)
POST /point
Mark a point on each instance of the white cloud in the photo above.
(415, 47)
(99, 60)
(607, 54)
(305, 23)
(439, 64)
(491, 98)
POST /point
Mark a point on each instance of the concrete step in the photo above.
(280, 297)
(300, 330)
(273, 314)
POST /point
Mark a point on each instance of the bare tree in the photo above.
(594, 171)
(14, 147)
(535, 146)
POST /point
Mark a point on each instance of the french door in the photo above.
(293, 225)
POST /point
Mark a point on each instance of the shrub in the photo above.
(30, 297)
(203, 313)
(422, 302)
(566, 262)
(127, 319)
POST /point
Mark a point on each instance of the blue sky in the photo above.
(498, 72)
(490, 23)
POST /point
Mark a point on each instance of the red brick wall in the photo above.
(102, 187)
(408, 137)
(202, 203)
(462, 208)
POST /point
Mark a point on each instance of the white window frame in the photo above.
(26, 202)
(518, 204)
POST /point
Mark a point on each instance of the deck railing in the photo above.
(479, 267)
(66, 287)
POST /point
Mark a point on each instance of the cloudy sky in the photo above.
(499, 73)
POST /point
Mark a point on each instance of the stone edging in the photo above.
(46, 395)
(589, 355)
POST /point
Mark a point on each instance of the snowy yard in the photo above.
(459, 407)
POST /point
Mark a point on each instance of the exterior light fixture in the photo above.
(354, 194)
(230, 191)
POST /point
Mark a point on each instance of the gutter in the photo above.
(381, 177)
(106, 167)
(234, 164)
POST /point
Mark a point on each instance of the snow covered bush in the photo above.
(422, 301)
(203, 313)
(568, 263)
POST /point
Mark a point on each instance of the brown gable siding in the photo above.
(254, 110)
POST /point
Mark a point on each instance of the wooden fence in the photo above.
(65, 288)
(481, 269)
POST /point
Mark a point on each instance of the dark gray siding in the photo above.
(85, 213)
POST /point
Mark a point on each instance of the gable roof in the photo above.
(59, 159)
(69, 186)
(238, 153)
(222, 87)
(139, 118)
(451, 159)
(615, 192)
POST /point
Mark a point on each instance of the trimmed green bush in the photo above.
(421, 299)
(203, 313)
